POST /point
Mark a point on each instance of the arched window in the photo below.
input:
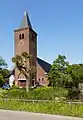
(22, 36)
(42, 79)
(39, 79)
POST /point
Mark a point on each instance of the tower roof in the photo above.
(26, 21)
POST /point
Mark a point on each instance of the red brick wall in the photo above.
(28, 44)
(41, 77)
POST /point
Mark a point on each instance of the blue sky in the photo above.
(59, 24)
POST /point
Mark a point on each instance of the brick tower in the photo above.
(25, 41)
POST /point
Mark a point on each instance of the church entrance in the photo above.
(22, 83)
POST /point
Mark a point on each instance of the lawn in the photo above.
(49, 93)
(50, 108)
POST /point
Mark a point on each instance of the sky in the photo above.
(59, 24)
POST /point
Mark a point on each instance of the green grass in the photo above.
(44, 93)
(50, 108)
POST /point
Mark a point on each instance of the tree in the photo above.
(2, 63)
(58, 69)
(4, 72)
(76, 73)
(1, 80)
(21, 63)
(65, 75)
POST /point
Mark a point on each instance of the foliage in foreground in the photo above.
(57, 71)
(3, 71)
(50, 108)
(63, 74)
(44, 93)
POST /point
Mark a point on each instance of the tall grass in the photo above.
(50, 108)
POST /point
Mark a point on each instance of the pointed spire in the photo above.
(26, 22)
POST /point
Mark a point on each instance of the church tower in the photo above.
(25, 39)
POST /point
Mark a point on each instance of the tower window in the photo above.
(42, 79)
(22, 36)
(39, 79)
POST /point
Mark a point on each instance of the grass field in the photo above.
(44, 93)
(50, 108)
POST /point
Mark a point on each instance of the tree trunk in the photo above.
(27, 85)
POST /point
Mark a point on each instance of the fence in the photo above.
(37, 101)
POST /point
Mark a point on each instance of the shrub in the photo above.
(1, 80)
(73, 93)
(44, 93)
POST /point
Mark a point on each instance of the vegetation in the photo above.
(41, 107)
(2, 63)
(64, 80)
(21, 64)
(3, 71)
(58, 71)
(1, 80)
(62, 74)
(44, 93)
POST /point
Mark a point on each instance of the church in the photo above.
(25, 39)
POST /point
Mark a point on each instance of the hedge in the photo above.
(44, 93)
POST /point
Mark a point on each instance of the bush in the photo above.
(44, 93)
(1, 80)
(73, 93)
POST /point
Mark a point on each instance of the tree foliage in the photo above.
(65, 75)
(60, 63)
(3, 71)
(1, 80)
(58, 70)
(2, 63)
